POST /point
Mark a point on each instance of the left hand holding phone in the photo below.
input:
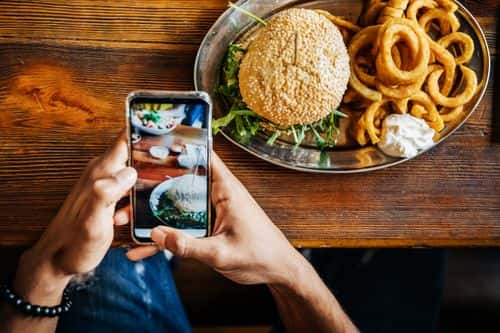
(78, 238)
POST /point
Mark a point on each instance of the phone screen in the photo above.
(170, 143)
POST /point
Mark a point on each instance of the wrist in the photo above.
(298, 275)
(37, 280)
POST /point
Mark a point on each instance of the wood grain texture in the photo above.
(66, 67)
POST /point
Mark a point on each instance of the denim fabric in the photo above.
(381, 290)
(123, 296)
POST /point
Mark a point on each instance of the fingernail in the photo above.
(129, 175)
(158, 234)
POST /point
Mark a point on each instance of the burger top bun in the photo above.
(296, 69)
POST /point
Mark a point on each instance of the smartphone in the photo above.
(170, 142)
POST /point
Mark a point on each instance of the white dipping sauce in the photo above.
(404, 136)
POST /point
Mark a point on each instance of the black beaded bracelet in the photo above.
(29, 309)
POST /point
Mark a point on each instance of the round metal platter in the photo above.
(346, 157)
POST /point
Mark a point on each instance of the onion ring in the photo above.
(392, 31)
(401, 105)
(418, 111)
(366, 123)
(444, 57)
(416, 6)
(396, 55)
(462, 98)
(394, 9)
(400, 91)
(453, 114)
(432, 116)
(449, 5)
(464, 40)
(448, 22)
(370, 16)
(363, 76)
(339, 22)
(360, 40)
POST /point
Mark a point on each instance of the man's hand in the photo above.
(245, 246)
(248, 248)
(81, 233)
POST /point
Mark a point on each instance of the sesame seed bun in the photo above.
(296, 69)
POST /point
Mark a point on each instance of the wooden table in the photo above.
(66, 67)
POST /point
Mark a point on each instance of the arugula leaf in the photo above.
(273, 137)
(320, 142)
(230, 87)
(219, 123)
(301, 135)
(340, 114)
(246, 12)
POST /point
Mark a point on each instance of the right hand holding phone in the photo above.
(245, 246)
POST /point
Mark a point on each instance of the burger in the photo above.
(296, 69)
(289, 76)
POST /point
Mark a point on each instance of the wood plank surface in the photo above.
(66, 67)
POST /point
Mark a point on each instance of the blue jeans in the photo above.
(386, 291)
(123, 296)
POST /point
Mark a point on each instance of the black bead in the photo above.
(37, 310)
(27, 307)
(34, 310)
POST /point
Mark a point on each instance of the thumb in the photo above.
(184, 245)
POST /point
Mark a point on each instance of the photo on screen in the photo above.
(170, 154)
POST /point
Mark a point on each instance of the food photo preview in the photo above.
(169, 147)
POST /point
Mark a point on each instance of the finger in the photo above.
(117, 155)
(184, 245)
(224, 184)
(220, 171)
(142, 252)
(107, 191)
(122, 215)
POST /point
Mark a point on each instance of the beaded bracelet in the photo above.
(29, 309)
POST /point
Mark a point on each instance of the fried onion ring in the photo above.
(400, 91)
(462, 98)
(394, 9)
(396, 55)
(432, 116)
(373, 11)
(392, 32)
(416, 6)
(339, 22)
(453, 114)
(464, 40)
(449, 5)
(418, 111)
(361, 40)
(447, 21)
(444, 57)
(366, 123)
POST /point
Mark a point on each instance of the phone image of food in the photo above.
(169, 149)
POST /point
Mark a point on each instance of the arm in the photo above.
(248, 248)
(307, 305)
(75, 241)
